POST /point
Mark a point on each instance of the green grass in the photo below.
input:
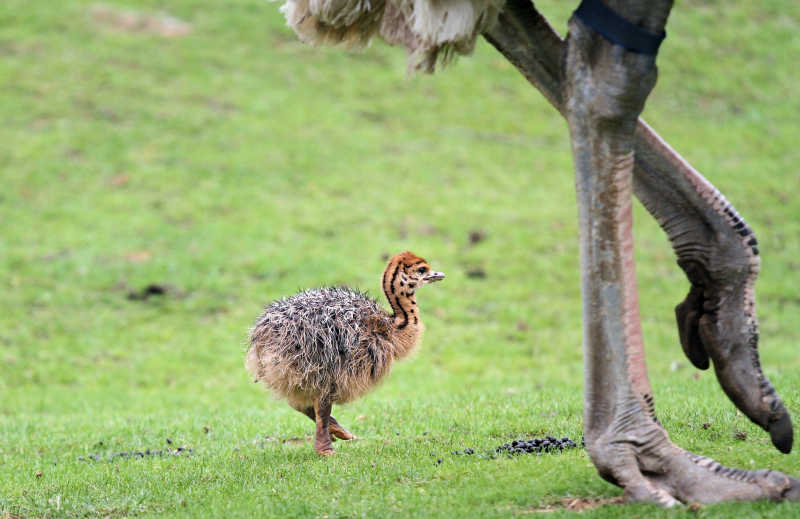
(237, 166)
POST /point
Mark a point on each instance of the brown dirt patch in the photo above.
(576, 504)
(128, 20)
(139, 256)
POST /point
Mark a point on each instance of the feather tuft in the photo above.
(330, 22)
(431, 30)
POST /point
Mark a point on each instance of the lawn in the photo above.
(164, 178)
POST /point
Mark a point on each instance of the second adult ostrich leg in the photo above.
(714, 246)
(606, 88)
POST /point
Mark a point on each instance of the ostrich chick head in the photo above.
(407, 272)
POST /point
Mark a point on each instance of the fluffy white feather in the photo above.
(427, 28)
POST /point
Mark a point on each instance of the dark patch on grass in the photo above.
(476, 273)
(538, 446)
(151, 290)
(147, 453)
(548, 444)
(476, 236)
(373, 117)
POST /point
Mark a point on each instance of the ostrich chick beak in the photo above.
(434, 276)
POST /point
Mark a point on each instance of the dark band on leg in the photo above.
(617, 29)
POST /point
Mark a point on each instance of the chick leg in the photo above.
(322, 413)
(337, 431)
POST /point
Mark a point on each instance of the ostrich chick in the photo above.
(332, 345)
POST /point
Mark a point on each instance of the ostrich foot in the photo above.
(340, 432)
(336, 430)
(717, 321)
(323, 449)
(642, 460)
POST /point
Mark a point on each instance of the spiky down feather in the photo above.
(330, 342)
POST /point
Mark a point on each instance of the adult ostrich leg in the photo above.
(604, 92)
(714, 246)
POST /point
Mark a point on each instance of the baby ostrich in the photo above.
(332, 345)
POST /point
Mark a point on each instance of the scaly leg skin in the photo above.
(322, 440)
(714, 246)
(606, 88)
(717, 320)
(337, 431)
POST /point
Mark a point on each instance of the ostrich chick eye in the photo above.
(422, 270)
